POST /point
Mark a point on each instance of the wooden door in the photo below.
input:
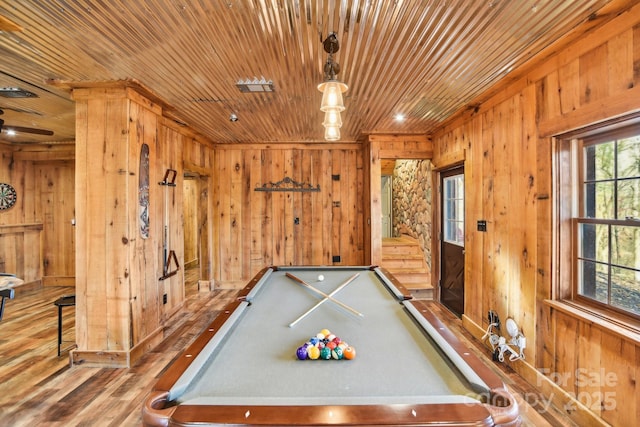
(452, 240)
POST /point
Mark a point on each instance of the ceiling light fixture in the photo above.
(332, 90)
(16, 92)
(255, 85)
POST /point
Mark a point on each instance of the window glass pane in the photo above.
(629, 198)
(599, 161)
(594, 242)
(629, 157)
(625, 246)
(453, 215)
(598, 200)
(625, 289)
(594, 283)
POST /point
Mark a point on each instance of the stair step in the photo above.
(423, 293)
(401, 249)
(406, 277)
(402, 261)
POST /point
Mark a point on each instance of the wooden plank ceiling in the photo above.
(423, 59)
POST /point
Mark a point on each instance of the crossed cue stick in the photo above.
(326, 297)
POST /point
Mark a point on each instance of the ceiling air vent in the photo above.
(16, 92)
(255, 85)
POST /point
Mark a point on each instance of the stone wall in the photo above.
(412, 202)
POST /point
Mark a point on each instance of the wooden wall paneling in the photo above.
(366, 201)
(589, 361)
(145, 266)
(82, 232)
(116, 207)
(474, 239)
(304, 212)
(635, 52)
(326, 193)
(354, 197)
(347, 208)
(528, 282)
(224, 203)
(524, 280)
(617, 379)
(336, 223)
(593, 72)
(358, 201)
(11, 252)
(502, 210)
(245, 222)
(566, 361)
(375, 203)
(96, 310)
(257, 209)
(492, 300)
(236, 208)
(268, 221)
(288, 197)
(588, 82)
(544, 348)
(172, 159)
(277, 169)
(620, 62)
(312, 204)
(564, 94)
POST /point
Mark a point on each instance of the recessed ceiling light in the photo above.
(399, 117)
(16, 92)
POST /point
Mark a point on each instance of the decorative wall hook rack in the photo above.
(288, 184)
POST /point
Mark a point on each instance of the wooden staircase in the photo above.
(403, 258)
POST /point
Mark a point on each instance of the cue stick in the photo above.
(351, 279)
(318, 291)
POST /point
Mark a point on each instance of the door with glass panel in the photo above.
(452, 240)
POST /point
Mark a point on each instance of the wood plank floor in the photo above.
(38, 388)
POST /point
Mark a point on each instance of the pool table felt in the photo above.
(394, 363)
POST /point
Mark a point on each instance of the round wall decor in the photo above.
(8, 196)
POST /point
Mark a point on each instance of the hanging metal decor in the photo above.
(288, 184)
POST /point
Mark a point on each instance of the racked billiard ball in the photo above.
(325, 353)
(313, 352)
(337, 353)
(301, 353)
(349, 353)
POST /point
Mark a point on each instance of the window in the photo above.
(453, 209)
(607, 220)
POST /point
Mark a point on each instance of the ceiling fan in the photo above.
(9, 128)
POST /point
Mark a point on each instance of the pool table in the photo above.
(408, 369)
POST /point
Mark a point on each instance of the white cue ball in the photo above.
(320, 277)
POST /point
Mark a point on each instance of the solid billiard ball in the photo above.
(302, 353)
(349, 353)
(320, 277)
(324, 333)
(325, 353)
(314, 353)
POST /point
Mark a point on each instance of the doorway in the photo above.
(197, 233)
(452, 242)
